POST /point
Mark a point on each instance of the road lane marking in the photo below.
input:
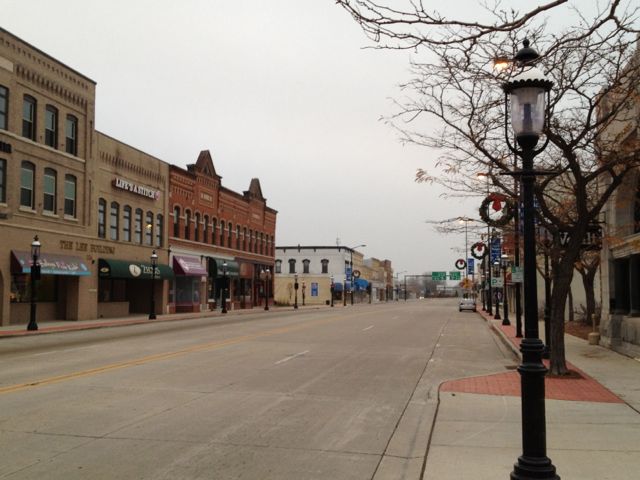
(368, 328)
(170, 355)
(291, 357)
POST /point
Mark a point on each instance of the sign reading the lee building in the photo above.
(138, 189)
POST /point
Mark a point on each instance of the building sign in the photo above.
(138, 189)
(86, 247)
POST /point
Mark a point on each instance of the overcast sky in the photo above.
(281, 90)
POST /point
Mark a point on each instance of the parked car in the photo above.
(467, 304)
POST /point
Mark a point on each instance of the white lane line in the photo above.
(286, 359)
(368, 328)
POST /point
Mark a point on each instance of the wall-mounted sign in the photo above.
(138, 189)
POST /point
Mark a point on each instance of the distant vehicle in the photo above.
(467, 304)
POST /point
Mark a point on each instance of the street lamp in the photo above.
(224, 287)
(265, 276)
(529, 92)
(304, 292)
(505, 302)
(35, 275)
(496, 265)
(332, 288)
(152, 305)
(487, 258)
(295, 287)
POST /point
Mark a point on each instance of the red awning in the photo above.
(183, 265)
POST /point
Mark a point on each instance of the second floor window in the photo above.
(3, 181)
(102, 218)
(138, 226)
(126, 223)
(305, 266)
(29, 117)
(278, 266)
(51, 126)
(214, 224)
(196, 230)
(148, 229)
(159, 228)
(187, 224)
(325, 265)
(292, 266)
(222, 225)
(205, 230)
(70, 186)
(176, 221)
(27, 174)
(49, 190)
(114, 226)
(4, 106)
(71, 135)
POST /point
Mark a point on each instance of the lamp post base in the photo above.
(529, 468)
(152, 316)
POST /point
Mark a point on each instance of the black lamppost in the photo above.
(295, 287)
(224, 287)
(405, 288)
(498, 294)
(529, 92)
(332, 288)
(265, 276)
(487, 257)
(304, 292)
(505, 302)
(152, 305)
(35, 275)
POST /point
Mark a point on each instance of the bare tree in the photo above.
(453, 82)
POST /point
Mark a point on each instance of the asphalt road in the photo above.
(343, 393)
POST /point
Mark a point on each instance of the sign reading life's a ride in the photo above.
(592, 239)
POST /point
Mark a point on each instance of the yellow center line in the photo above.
(168, 355)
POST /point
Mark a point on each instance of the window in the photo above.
(70, 195)
(27, 174)
(244, 239)
(196, 231)
(205, 229)
(126, 223)
(51, 126)
(278, 266)
(325, 265)
(114, 218)
(230, 244)
(261, 243)
(305, 265)
(4, 107)
(187, 224)
(71, 135)
(102, 212)
(138, 226)
(292, 265)
(214, 225)
(159, 228)
(49, 190)
(222, 225)
(250, 240)
(3, 181)
(176, 221)
(148, 229)
(237, 237)
(29, 117)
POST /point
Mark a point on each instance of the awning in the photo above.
(129, 269)
(183, 265)
(233, 268)
(361, 284)
(337, 287)
(50, 264)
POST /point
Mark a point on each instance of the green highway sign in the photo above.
(438, 276)
(454, 275)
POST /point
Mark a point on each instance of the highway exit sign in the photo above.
(454, 275)
(439, 276)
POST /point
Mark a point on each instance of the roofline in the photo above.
(317, 247)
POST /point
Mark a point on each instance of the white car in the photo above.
(467, 304)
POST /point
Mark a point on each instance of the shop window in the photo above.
(176, 222)
(325, 265)
(305, 265)
(71, 135)
(187, 224)
(4, 107)
(196, 229)
(3, 180)
(205, 230)
(49, 190)
(278, 266)
(51, 126)
(292, 265)
(70, 187)
(112, 290)
(114, 218)
(126, 223)
(29, 117)
(47, 290)
(102, 212)
(159, 230)
(222, 225)
(27, 175)
(148, 229)
(137, 225)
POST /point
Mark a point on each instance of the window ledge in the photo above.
(24, 209)
(70, 218)
(50, 214)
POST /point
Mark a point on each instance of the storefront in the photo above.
(126, 287)
(188, 288)
(57, 291)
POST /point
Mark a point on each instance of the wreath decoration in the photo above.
(461, 264)
(497, 202)
(479, 250)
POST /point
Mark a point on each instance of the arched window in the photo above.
(71, 135)
(159, 230)
(244, 239)
(29, 117)
(70, 188)
(51, 126)
(250, 240)
(214, 226)
(305, 265)
(49, 188)
(222, 232)
(292, 265)
(126, 223)
(102, 218)
(148, 229)
(325, 265)
(237, 237)
(187, 224)
(230, 233)
(27, 184)
(176, 221)
(205, 230)
(138, 226)
(278, 266)
(114, 218)
(196, 230)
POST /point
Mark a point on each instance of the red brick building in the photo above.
(217, 237)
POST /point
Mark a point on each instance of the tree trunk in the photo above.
(588, 283)
(562, 277)
(570, 300)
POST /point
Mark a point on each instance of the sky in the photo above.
(281, 90)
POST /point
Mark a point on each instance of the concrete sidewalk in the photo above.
(593, 419)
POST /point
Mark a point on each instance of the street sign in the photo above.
(439, 276)
(517, 274)
(347, 271)
(496, 282)
(495, 250)
(470, 265)
(454, 275)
